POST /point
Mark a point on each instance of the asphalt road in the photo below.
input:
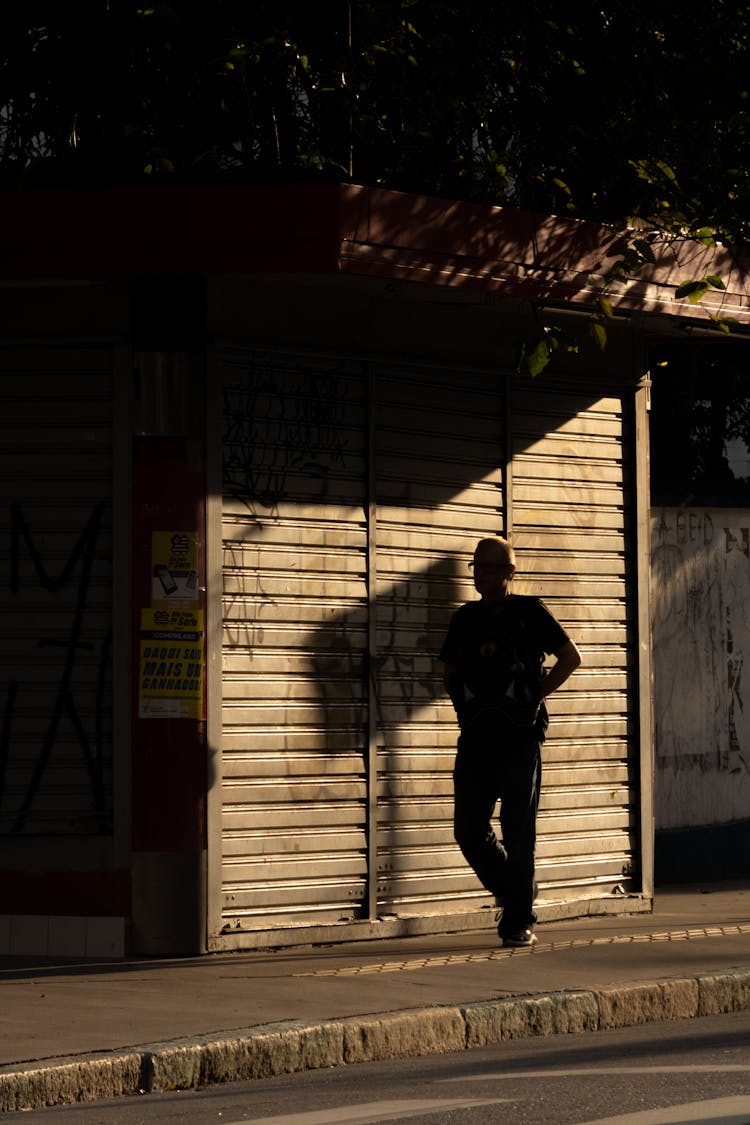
(687, 1071)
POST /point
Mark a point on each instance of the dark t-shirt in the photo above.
(499, 652)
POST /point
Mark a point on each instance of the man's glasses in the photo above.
(491, 566)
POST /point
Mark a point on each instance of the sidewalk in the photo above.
(81, 1031)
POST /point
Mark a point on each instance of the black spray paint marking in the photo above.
(279, 422)
(84, 551)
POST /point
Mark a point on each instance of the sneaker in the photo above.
(519, 939)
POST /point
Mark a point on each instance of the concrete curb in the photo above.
(282, 1048)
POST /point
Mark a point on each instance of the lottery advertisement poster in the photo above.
(171, 664)
(174, 562)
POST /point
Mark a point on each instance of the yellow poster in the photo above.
(174, 562)
(171, 664)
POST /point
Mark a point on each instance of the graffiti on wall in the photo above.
(688, 639)
(701, 632)
(284, 440)
(279, 422)
(76, 574)
(737, 559)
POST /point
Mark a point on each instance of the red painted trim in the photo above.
(131, 232)
(99, 894)
(247, 229)
(198, 231)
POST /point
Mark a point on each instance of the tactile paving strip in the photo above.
(534, 951)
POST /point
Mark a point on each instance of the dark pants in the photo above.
(505, 767)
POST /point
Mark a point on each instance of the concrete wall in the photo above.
(701, 633)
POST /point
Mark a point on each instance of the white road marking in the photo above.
(369, 1112)
(493, 1076)
(716, 1111)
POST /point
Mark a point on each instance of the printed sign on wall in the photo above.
(171, 664)
(174, 557)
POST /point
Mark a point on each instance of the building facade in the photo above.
(251, 438)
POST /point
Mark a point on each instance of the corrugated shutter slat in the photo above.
(295, 634)
(55, 498)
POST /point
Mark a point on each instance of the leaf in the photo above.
(705, 236)
(693, 290)
(641, 172)
(668, 172)
(606, 307)
(618, 271)
(598, 333)
(537, 351)
(723, 323)
(717, 283)
(535, 355)
(644, 249)
(158, 164)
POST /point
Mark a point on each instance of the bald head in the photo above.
(497, 550)
(494, 565)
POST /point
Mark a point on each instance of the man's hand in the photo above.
(567, 659)
(452, 683)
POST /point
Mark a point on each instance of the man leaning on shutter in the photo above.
(494, 673)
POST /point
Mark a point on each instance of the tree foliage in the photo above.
(622, 113)
(629, 114)
(700, 424)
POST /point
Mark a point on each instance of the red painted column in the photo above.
(169, 751)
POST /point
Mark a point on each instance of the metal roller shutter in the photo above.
(55, 648)
(295, 638)
(439, 457)
(572, 487)
(353, 499)
(339, 480)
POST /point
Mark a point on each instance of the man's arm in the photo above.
(567, 659)
(452, 682)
